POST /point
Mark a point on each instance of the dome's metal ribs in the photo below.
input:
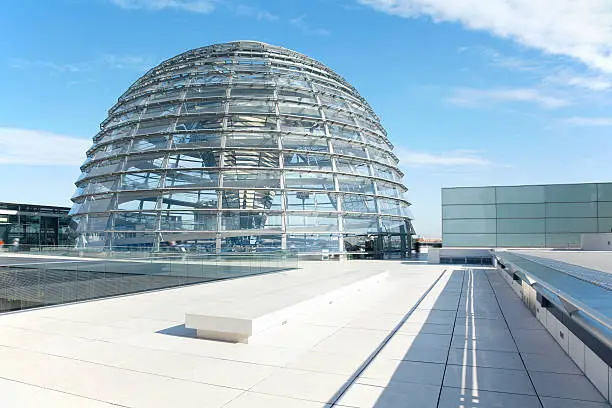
(243, 144)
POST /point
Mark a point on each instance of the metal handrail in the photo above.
(570, 305)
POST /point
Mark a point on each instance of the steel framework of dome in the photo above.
(242, 145)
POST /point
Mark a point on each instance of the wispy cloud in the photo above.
(589, 121)
(301, 24)
(483, 97)
(35, 147)
(581, 30)
(196, 6)
(19, 63)
(454, 158)
(252, 12)
(106, 61)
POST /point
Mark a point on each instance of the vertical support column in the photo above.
(219, 234)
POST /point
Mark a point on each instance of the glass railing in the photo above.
(40, 282)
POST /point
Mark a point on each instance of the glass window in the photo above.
(348, 149)
(260, 140)
(94, 223)
(299, 110)
(196, 107)
(101, 185)
(352, 166)
(253, 158)
(571, 193)
(604, 224)
(355, 184)
(469, 240)
(204, 92)
(358, 203)
(252, 121)
(571, 210)
(604, 209)
(252, 199)
(297, 96)
(188, 221)
(135, 221)
(309, 181)
(390, 207)
(314, 222)
(468, 211)
(251, 178)
(583, 225)
(604, 192)
(520, 194)
(312, 127)
(248, 92)
(521, 210)
(100, 203)
(160, 110)
(195, 140)
(389, 190)
(311, 201)
(469, 195)
(522, 240)
(140, 181)
(195, 159)
(345, 132)
(145, 200)
(517, 226)
(305, 160)
(313, 144)
(189, 200)
(245, 220)
(360, 224)
(312, 242)
(155, 126)
(145, 162)
(202, 122)
(248, 106)
(166, 95)
(473, 226)
(339, 116)
(191, 178)
(150, 143)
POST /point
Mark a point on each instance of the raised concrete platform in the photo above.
(276, 304)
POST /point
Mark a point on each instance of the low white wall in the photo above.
(596, 242)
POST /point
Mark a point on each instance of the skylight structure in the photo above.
(242, 146)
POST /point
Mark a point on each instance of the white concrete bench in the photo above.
(238, 319)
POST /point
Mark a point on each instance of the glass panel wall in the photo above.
(526, 216)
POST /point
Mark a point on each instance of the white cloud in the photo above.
(454, 158)
(196, 6)
(105, 61)
(480, 97)
(301, 24)
(35, 147)
(580, 29)
(52, 66)
(589, 121)
(251, 12)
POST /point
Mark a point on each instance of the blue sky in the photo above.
(470, 92)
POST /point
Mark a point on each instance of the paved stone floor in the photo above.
(429, 336)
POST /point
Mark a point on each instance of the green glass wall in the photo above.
(545, 216)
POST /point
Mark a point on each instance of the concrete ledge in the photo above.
(239, 320)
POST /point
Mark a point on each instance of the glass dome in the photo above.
(242, 146)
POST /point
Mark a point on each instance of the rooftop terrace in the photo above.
(426, 336)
